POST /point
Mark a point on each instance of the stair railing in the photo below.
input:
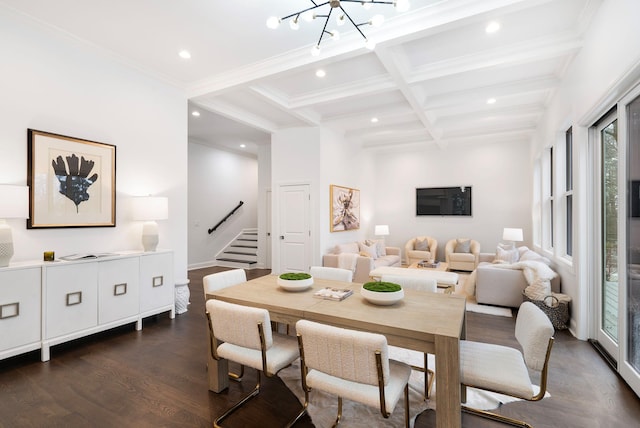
(213, 229)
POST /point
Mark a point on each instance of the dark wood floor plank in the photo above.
(157, 378)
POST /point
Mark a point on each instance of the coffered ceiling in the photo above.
(435, 78)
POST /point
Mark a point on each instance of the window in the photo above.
(549, 206)
(568, 194)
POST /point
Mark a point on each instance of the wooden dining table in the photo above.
(421, 321)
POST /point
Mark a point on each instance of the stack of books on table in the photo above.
(331, 293)
(427, 264)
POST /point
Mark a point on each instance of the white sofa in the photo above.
(504, 287)
(361, 260)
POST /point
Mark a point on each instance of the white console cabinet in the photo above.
(20, 311)
(44, 304)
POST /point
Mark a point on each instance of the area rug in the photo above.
(324, 407)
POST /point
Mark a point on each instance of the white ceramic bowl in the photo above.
(295, 285)
(381, 298)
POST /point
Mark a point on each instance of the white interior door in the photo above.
(268, 239)
(294, 233)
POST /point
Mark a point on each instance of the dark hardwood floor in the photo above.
(157, 378)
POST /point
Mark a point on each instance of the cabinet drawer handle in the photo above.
(74, 298)
(158, 281)
(120, 289)
(9, 310)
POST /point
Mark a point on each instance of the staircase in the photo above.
(242, 252)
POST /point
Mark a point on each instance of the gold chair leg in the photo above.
(239, 404)
(429, 377)
(496, 417)
(335, 424)
(237, 376)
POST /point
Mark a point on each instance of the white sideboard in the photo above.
(43, 304)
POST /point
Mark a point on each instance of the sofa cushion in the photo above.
(421, 244)
(388, 260)
(462, 257)
(371, 250)
(462, 246)
(350, 247)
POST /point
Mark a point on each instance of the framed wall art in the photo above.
(72, 182)
(345, 208)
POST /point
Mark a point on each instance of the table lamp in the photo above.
(15, 204)
(149, 209)
(512, 235)
(381, 230)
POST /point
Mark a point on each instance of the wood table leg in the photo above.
(218, 371)
(448, 382)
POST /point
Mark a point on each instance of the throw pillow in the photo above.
(507, 254)
(380, 247)
(421, 244)
(462, 246)
(369, 249)
(365, 254)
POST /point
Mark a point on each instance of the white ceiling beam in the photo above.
(386, 57)
(279, 101)
(239, 115)
(520, 53)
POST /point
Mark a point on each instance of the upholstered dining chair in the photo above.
(503, 369)
(350, 364)
(243, 334)
(218, 281)
(429, 285)
(420, 248)
(336, 274)
(462, 254)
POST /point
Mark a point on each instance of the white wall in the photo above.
(500, 177)
(218, 181)
(606, 67)
(53, 83)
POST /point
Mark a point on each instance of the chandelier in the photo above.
(310, 13)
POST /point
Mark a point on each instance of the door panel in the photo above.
(294, 232)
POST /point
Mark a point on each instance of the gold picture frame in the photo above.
(345, 208)
(72, 182)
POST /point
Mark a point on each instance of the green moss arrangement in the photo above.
(295, 276)
(382, 287)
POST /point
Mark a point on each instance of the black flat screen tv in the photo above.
(444, 201)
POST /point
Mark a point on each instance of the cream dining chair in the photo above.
(350, 364)
(419, 283)
(218, 281)
(243, 334)
(336, 274)
(503, 369)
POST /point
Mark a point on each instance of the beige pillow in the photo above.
(462, 246)
(421, 244)
(371, 250)
(507, 254)
(380, 247)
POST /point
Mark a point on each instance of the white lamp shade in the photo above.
(14, 201)
(150, 208)
(381, 230)
(512, 234)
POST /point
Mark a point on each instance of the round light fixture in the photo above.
(321, 73)
(492, 27)
(184, 54)
(491, 101)
(374, 120)
(273, 22)
(195, 113)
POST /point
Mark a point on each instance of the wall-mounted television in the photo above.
(444, 201)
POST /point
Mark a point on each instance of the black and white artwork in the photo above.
(71, 181)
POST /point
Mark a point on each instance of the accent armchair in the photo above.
(420, 248)
(462, 254)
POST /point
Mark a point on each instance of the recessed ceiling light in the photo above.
(491, 101)
(492, 27)
(243, 145)
(195, 113)
(184, 54)
(374, 120)
(321, 73)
